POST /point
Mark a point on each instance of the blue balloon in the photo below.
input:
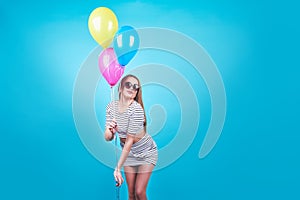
(126, 43)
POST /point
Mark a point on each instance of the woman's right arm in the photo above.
(110, 124)
(110, 130)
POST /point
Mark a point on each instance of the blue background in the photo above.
(255, 45)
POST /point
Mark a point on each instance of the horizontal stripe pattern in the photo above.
(131, 121)
(142, 152)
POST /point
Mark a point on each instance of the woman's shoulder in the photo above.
(135, 107)
(111, 104)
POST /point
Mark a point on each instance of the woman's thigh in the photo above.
(130, 174)
(143, 176)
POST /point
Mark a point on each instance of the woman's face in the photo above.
(130, 88)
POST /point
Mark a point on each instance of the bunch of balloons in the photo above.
(103, 26)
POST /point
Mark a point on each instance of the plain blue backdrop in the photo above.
(255, 45)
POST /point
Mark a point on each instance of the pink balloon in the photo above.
(109, 66)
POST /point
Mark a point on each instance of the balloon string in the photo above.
(116, 144)
(112, 100)
(118, 187)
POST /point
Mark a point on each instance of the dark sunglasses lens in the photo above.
(128, 85)
(135, 87)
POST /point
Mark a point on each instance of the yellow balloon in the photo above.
(103, 25)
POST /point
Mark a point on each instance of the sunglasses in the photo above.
(129, 85)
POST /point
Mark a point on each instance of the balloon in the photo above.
(103, 25)
(109, 67)
(126, 43)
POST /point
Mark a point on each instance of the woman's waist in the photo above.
(136, 138)
(145, 146)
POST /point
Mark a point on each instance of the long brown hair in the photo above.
(138, 97)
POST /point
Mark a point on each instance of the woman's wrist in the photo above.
(118, 168)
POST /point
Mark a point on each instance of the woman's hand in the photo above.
(113, 126)
(110, 130)
(118, 177)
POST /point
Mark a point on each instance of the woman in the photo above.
(139, 151)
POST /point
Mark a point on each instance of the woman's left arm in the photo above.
(125, 151)
(124, 154)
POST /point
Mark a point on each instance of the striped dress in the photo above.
(131, 122)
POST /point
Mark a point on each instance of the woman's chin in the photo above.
(128, 96)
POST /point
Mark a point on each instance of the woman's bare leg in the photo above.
(131, 174)
(142, 179)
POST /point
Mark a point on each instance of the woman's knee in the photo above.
(131, 193)
(131, 197)
(140, 193)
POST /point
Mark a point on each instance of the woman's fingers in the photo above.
(113, 124)
(114, 121)
(120, 181)
(118, 178)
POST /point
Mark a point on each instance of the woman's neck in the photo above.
(125, 102)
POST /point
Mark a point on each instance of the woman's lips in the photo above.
(129, 92)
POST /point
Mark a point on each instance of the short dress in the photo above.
(131, 122)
